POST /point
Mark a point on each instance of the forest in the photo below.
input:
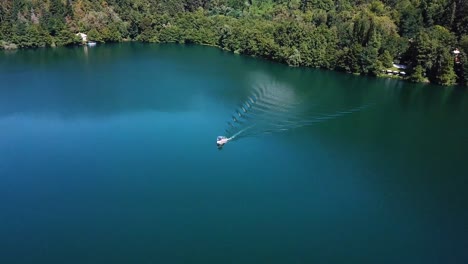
(357, 36)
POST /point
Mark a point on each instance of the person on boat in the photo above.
(221, 140)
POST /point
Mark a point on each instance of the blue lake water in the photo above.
(108, 155)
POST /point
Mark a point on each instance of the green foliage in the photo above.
(65, 37)
(377, 8)
(463, 75)
(386, 59)
(317, 4)
(357, 36)
(295, 58)
(411, 20)
(443, 70)
(460, 23)
(422, 51)
(369, 58)
(349, 59)
(111, 34)
(464, 43)
(94, 35)
(417, 74)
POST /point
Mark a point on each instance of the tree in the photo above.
(301, 32)
(417, 74)
(111, 34)
(460, 25)
(349, 59)
(94, 35)
(54, 20)
(377, 8)
(37, 37)
(146, 28)
(386, 59)
(443, 70)
(317, 4)
(421, 51)
(18, 6)
(462, 69)
(3, 14)
(411, 19)
(442, 36)
(295, 58)
(464, 43)
(65, 37)
(369, 58)
(362, 29)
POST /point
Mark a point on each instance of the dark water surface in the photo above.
(107, 155)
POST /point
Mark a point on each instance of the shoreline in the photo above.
(13, 47)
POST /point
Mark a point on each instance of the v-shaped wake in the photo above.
(273, 107)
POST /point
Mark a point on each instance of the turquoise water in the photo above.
(108, 155)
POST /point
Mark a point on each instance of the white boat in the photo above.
(91, 43)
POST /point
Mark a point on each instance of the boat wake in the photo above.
(274, 107)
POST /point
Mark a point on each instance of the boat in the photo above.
(91, 43)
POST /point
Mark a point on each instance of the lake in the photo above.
(108, 155)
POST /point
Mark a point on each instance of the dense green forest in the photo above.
(356, 36)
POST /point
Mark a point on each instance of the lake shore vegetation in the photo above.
(366, 37)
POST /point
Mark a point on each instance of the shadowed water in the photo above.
(108, 155)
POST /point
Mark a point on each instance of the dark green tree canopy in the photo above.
(357, 36)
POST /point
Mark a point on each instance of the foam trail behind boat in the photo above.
(274, 107)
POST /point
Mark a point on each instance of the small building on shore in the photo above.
(400, 66)
(456, 53)
(83, 37)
